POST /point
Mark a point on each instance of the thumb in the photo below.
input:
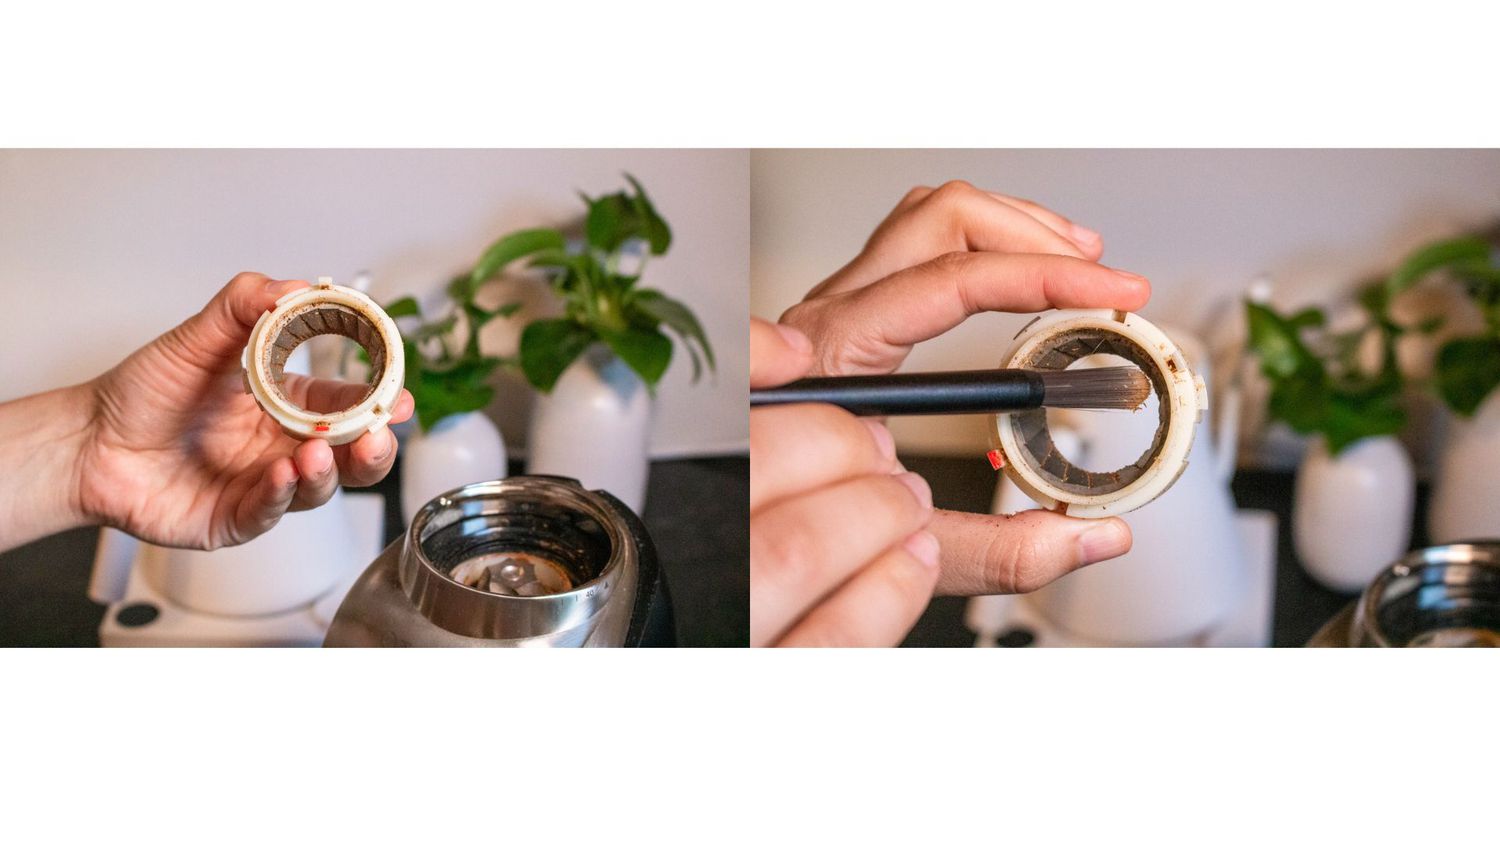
(223, 327)
(778, 353)
(990, 555)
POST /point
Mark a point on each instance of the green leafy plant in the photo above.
(1317, 384)
(602, 301)
(1466, 369)
(446, 377)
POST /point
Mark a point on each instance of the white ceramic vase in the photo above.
(1466, 499)
(461, 449)
(1351, 514)
(595, 426)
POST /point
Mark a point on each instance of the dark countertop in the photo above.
(695, 510)
(1302, 605)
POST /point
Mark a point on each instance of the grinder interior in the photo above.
(537, 547)
(1030, 427)
(318, 320)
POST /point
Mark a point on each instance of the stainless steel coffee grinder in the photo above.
(1440, 597)
(523, 562)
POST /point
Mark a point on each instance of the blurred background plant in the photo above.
(1317, 383)
(1347, 384)
(446, 372)
(1467, 368)
(596, 279)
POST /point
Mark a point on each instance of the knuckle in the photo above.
(894, 501)
(908, 583)
(783, 557)
(363, 477)
(835, 346)
(955, 189)
(834, 423)
(830, 633)
(916, 194)
(1018, 559)
(952, 262)
(246, 279)
(800, 315)
(833, 434)
(1025, 574)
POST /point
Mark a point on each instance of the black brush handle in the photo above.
(916, 393)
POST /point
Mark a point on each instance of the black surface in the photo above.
(137, 615)
(695, 511)
(1302, 605)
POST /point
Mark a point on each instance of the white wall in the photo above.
(102, 250)
(1199, 224)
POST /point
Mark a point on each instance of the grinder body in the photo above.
(406, 598)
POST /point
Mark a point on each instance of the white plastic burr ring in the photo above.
(1034, 463)
(324, 309)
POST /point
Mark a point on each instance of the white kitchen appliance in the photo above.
(280, 589)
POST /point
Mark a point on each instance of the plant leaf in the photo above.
(1429, 325)
(404, 307)
(435, 329)
(554, 258)
(658, 235)
(680, 319)
(1435, 256)
(1306, 397)
(645, 350)
(1351, 417)
(1276, 342)
(442, 392)
(1467, 371)
(510, 248)
(1306, 318)
(549, 346)
(1376, 300)
(611, 221)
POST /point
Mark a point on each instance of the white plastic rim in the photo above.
(1182, 396)
(349, 312)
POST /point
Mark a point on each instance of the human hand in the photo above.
(838, 553)
(940, 257)
(177, 453)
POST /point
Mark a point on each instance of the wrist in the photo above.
(43, 442)
(81, 403)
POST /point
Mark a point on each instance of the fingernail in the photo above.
(1084, 236)
(385, 452)
(924, 546)
(1131, 276)
(918, 487)
(1103, 541)
(883, 439)
(280, 288)
(794, 338)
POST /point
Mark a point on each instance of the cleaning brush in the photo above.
(977, 391)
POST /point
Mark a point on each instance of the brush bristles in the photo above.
(1105, 388)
